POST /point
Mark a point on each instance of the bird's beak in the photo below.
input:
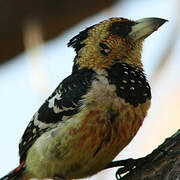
(144, 27)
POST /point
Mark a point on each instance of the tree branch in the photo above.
(162, 164)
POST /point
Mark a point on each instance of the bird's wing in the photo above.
(61, 105)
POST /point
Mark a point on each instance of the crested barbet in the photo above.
(96, 111)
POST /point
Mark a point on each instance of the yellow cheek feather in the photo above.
(122, 49)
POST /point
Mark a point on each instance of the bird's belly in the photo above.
(102, 136)
(87, 143)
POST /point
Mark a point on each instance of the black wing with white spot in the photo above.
(61, 105)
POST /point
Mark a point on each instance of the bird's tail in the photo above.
(15, 174)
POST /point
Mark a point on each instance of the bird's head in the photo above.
(112, 41)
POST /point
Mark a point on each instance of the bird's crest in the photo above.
(75, 42)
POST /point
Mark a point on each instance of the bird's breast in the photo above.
(85, 143)
(103, 133)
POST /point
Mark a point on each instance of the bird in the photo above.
(97, 110)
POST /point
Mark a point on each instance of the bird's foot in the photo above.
(126, 165)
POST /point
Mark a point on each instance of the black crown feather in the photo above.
(75, 42)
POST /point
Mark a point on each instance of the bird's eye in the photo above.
(104, 49)
(121, 28)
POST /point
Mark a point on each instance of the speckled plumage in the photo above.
(104, 124)
(96, 111)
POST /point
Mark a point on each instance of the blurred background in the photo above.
(34, 58)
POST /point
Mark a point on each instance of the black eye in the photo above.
(121, 28)
(104, 49)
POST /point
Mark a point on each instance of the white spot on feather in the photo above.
(40, 124)
(58, 110)
(51, 102)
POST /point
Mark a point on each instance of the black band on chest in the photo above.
(130, 82)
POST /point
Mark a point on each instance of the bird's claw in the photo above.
(128, 165)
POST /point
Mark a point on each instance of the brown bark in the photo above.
(162, 164)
